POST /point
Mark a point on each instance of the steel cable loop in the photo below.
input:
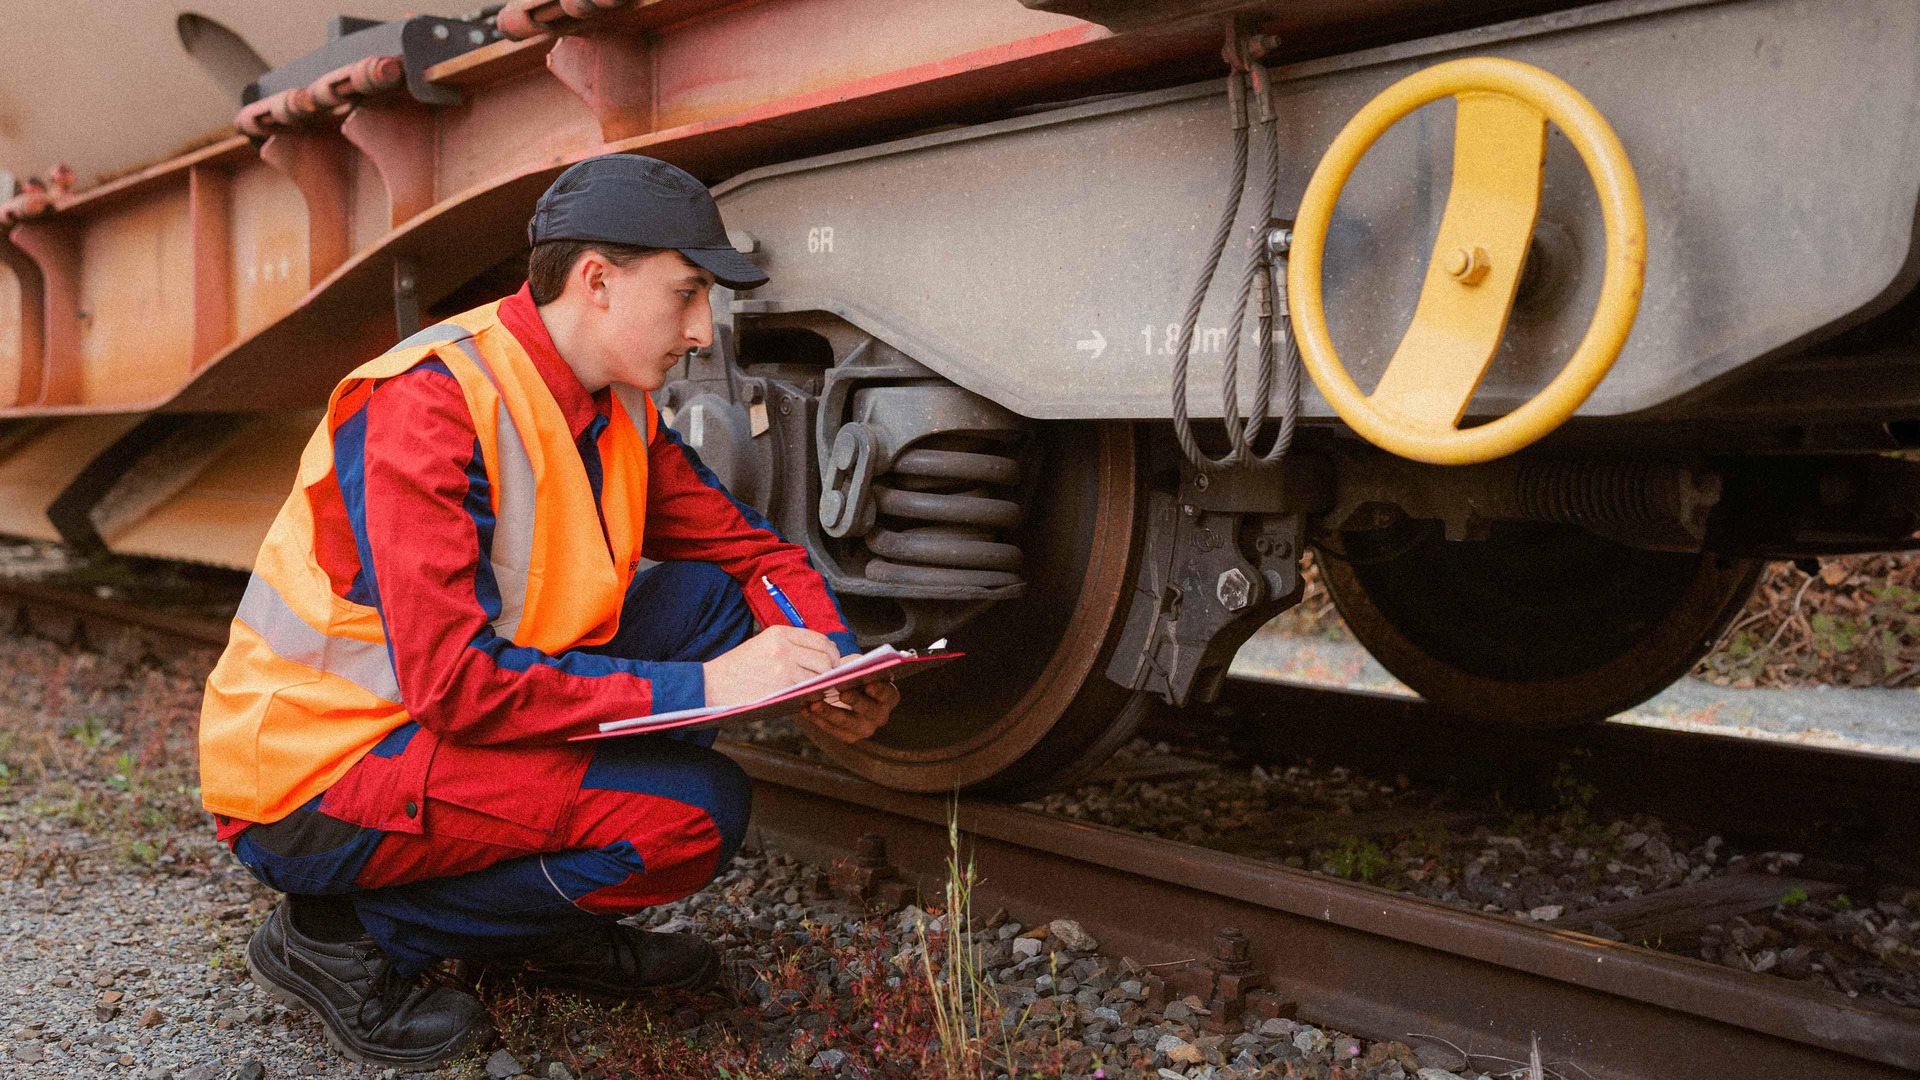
(1259, 270)
(1182, 425)
(1275, 315)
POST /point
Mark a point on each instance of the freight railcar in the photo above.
(1544, 324)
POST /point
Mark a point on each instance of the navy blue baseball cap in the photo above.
(641, 202)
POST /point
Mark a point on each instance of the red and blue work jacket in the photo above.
(466, 518)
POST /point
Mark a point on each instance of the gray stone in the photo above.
(208, 1071)
(29, 1053)
(1169, 1074)
(1187, 1054)
(1073, 935)
(1439, 1056)
(828, 1059)
(1168, 1042)
(251, 1069)
(1437, 1074)
(1026, 947)
(557, 1071)
(910, 920)
(503, 1064)
(1278, 1028)
(1310, 1040)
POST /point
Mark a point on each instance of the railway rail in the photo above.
(1351, 956)
(1256, 938)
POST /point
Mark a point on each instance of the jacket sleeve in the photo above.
(691, 515)
(417, 495)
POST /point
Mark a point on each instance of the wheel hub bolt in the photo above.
(1468, 265)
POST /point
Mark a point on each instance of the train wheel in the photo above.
(1031, 707)
(1539, 626)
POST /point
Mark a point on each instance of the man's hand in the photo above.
(861, 711)
(767, 663)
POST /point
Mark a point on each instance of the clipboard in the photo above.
(884, 663)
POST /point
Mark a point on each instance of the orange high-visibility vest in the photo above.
(306, 685)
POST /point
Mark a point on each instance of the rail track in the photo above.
(1256, 938)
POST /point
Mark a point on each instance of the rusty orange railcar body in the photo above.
(250, 273)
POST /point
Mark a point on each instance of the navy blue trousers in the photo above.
(650, 819)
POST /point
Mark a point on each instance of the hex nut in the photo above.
(1234, 589)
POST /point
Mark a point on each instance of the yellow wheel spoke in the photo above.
(1499, 147)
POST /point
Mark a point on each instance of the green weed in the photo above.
(92, 734)
(1358, 859)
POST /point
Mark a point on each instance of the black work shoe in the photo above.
(619, 961)
(371, 1014)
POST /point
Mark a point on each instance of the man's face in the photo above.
(657, 309)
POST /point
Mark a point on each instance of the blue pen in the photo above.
(786, 605)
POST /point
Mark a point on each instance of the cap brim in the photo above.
(728, 267)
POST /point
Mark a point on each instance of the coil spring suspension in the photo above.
(1616, 495)
(942, 509)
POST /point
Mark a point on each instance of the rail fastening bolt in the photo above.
(1231, 950)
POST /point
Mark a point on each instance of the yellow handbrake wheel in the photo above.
(1499, 147)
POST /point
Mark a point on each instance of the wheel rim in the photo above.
(1031, 705)
(1538, 626)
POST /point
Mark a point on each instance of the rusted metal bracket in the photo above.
(53, 245)
(396, 134)
(209, 232)
(319, 164)
(139, 471)
(613, 75)
(33, 309)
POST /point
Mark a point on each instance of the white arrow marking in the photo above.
(1096, 344)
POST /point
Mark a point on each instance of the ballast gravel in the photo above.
(136, 973)
(122, 923)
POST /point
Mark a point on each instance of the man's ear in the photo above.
(591, 273)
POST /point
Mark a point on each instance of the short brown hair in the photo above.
(552, 260)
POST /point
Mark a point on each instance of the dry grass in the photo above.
(1855, 623)
(105, 742)
(875, 998)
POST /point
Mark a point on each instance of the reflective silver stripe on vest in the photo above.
(365, 664)
(511, 555)
(437, 334)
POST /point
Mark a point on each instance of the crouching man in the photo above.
(453, 588)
